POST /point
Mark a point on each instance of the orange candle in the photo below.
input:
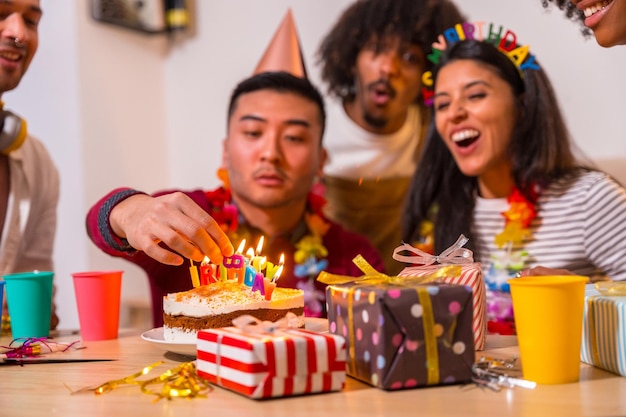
(268, 286)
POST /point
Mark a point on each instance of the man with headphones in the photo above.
(29, 180)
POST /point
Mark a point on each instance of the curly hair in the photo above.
(417, 22)
(571, 12)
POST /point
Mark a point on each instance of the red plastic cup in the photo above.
(98, 301)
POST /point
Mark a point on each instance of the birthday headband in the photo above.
(480, 31)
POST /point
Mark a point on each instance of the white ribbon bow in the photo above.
(251, 324)
(455, 254)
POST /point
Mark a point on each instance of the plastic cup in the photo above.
(29, 296)
(98, 301)
(548, 314)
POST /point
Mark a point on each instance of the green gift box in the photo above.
(604, 327)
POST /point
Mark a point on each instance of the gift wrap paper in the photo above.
(604, 331)
(472, 276)
(404, 337)
(286, 362)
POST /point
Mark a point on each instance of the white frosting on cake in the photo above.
(180, 335)
(227, 296)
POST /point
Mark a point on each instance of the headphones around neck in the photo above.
(13, 131)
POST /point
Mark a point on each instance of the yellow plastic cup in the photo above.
(548, 314)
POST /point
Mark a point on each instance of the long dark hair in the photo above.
(416, 22)
(540, 150)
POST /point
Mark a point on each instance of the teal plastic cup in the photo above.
(29, 296)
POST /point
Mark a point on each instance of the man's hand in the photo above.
(174, 219)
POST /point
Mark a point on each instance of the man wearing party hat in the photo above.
(372, 60)
(272, 153)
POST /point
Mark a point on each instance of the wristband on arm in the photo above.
(104, 226)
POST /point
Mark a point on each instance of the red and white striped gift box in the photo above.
(262, 365)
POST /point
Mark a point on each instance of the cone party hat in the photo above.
(284, 52)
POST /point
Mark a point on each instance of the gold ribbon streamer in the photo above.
(430, 340)
(131, 379)
(181, 381)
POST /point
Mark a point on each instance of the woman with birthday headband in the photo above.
(606, 18)
(498, 166)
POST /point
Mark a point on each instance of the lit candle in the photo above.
(269, 286)
(280, 268)
(207, 272)
(271, 269)
(250, 275)
(223, 273)
(235, 267)
(278, 273)
(259, 246)
(242, 246)
(193, 271)
(258, 263)
(249, 256)
(259, 284)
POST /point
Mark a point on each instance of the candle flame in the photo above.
(281, 262)
(250, 253)
(259, 246)
(279, 271)
(205, 261)
(241, 247)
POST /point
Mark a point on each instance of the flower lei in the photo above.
(517, 218)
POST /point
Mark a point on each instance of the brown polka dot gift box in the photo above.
(400, 333)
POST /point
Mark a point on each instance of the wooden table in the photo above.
(39, 390)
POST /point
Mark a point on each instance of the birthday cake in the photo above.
(217, 304)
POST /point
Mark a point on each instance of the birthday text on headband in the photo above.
(503, 39)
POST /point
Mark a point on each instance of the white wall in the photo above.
(117, 107)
